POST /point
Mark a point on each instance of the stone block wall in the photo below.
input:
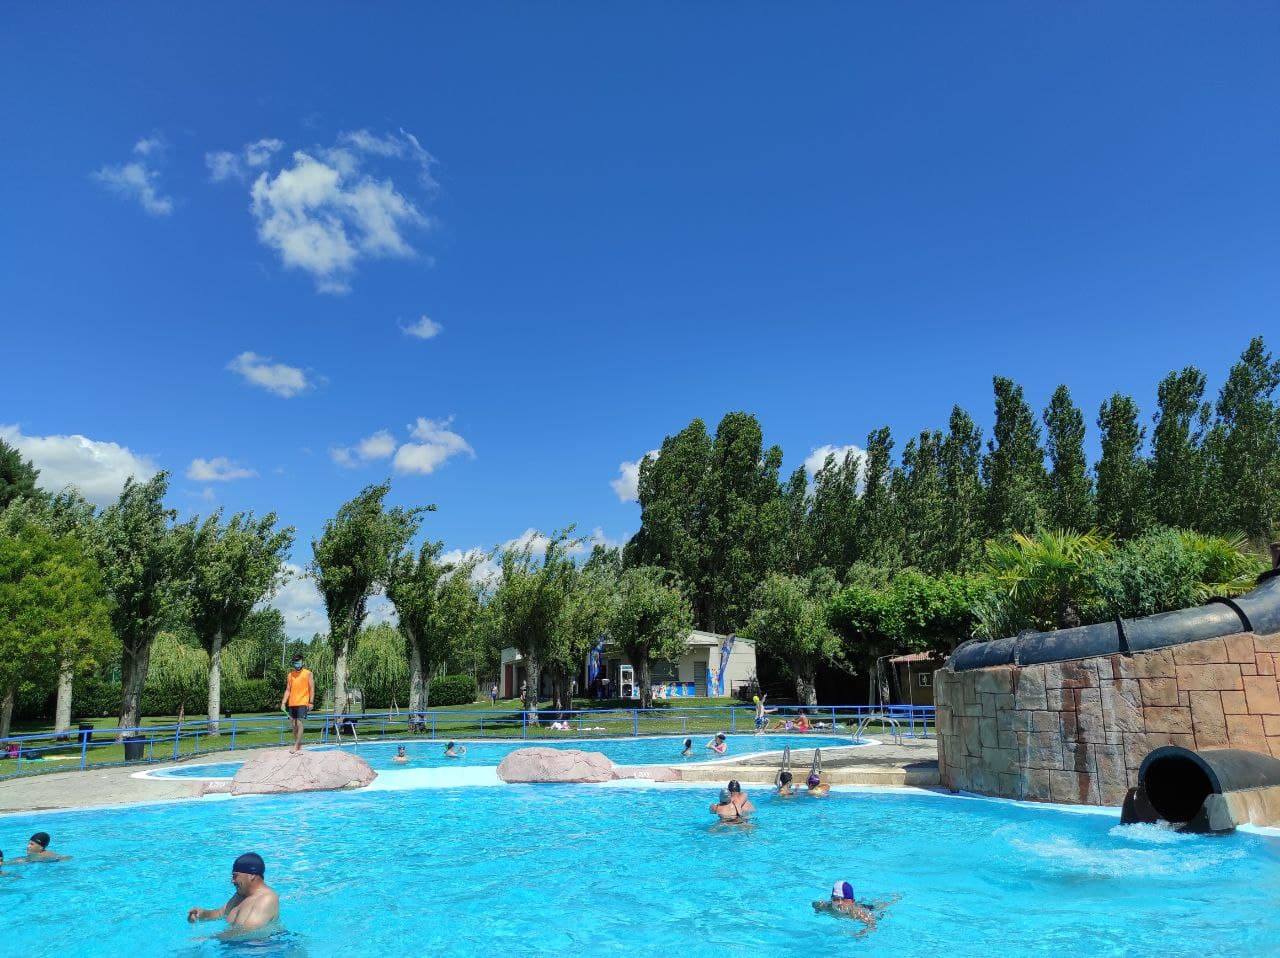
(1077, 731)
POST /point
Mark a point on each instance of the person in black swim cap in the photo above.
(38, 850)
(254, 906)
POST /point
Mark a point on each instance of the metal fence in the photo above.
(88, 747)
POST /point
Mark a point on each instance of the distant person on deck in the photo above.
(253, 906)
(299, 694)
(493, 694)
(802, 723)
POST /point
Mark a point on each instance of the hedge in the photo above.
(95, 699)
(452, 690)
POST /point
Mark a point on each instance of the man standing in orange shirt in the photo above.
(299, 693)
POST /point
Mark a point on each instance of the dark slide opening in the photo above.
(1177, 786)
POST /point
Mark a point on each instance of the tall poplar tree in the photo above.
(962, 492)
(1245, 447)
(1013, 468)
(876, 540)
(1124, 494)
(1070, 498)
(1178, 466)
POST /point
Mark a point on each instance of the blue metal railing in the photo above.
(41, 752)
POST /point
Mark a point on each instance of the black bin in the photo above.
(86, 731)
(134, 748)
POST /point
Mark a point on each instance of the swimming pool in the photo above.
(595, 871)
(623, 751)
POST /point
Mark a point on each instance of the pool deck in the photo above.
(913, 762)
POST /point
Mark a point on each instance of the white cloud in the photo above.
(225, 165)
(486, 569)
(323, 212)
(286, 381)
(627, 485)
(207, 494)
(424, 328)
(816, 459)
(436, 444)
(217, 469)
(301, 604)
(139, 179)
(98, 469)
(378, 446)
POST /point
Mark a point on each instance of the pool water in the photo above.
(623, 751)
(638, 871)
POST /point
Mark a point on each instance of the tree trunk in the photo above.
(533, 675)
(215, 682)
(6, 711)
(133, 675)
(417, 689)
(62, 711)
(646, 688)
(806, 694)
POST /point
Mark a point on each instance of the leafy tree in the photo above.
(529, 602)
(1013, 468)
(1177, 460)
(799, 548)
(875, 525)
(1042, 580)
(962, 494)
(352, 558)
(179, 671)
(229, 569)
(830, 529)
(437, 607)
(745, 518)
(52, 610)
(1070, 491)
(1244, 446)
(651, 622)
(1124, 500)
(378, 666)
(584, 619)
(17, 475)
(140, 554)
(790, 623)
(673, 513)
(260, 647)
(919, 501)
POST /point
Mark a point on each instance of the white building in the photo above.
(694, 675)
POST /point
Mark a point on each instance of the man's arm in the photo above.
(311, 688)
(212, 914)
(285, 698)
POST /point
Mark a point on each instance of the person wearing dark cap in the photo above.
(38, 850)
(254, 904)
(299, 697)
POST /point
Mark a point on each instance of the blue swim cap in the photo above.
(250, 863)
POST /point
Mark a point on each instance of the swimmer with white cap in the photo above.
(843, 904)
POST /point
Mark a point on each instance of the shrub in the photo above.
(452, 690)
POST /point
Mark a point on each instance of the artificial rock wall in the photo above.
(1077, 731)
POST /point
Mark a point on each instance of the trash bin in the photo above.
(86, 731)
(134, 748)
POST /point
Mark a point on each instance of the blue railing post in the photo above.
(833, 718)
(733, 719)
(524, 724)
(84, 748)
(635, 721)
(433, 724)
(176, 730)
(233, 735)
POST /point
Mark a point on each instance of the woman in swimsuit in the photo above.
(718, 744)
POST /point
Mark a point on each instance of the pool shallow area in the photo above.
(624, 751)
(586, 871)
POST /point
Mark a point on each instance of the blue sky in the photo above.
(221, 220)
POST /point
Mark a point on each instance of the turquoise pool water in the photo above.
(609, 871)
(626, 751)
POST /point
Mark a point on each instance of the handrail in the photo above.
(38, 752)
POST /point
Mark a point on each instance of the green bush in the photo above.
(452, 690)
(251, 695)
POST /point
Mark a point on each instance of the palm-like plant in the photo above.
(1041, 580)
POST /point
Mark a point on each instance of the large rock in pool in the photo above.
(280, 770)
(556, 765)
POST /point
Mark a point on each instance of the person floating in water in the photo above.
(817, 788)
(734, 806)
(782, 785)
(401, 756)
(688, 748)
(453, 750)
(718, 744)
(254, 905)
(38, 851)
(844, 905)
(299, 694)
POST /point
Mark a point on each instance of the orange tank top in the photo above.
(298, 687)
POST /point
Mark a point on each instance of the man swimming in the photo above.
(254, 904)
(453, 750)
(843, 904)
(401, 756)
(38, 851)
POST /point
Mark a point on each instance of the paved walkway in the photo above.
(914, 762)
